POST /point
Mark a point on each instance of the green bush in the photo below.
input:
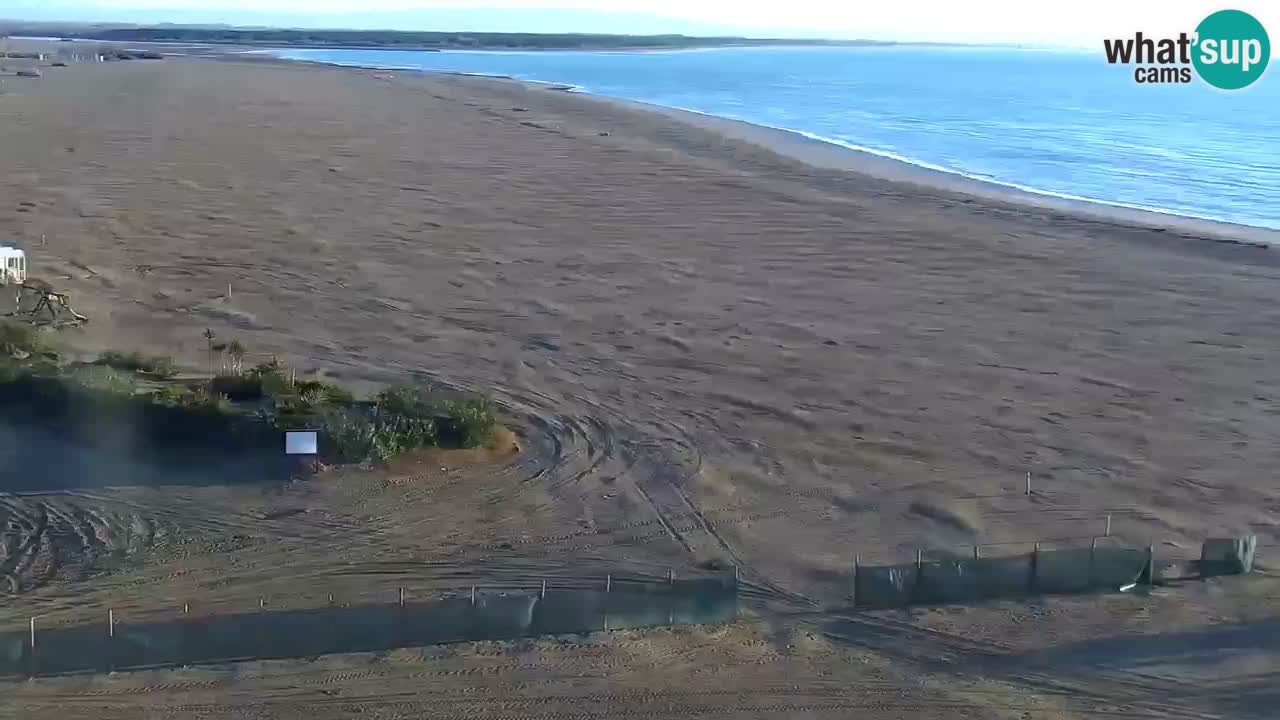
(238, 388)
(191, 398)
(270, 367)
(473, 420)
(394, 434)
(272, 378)
(275, 384)
(158, 365)
(24, 346)
(19, 338)
(102, 379)
(467, 423)
(314, 393)
(13, 373)
(405, 418)
(400, 418)
(176, 396)
(310, 397)
(217, 403)
(407, 400)
(348, 436)
(356, 436)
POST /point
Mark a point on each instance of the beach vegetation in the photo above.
(156, 365)
(237, 408)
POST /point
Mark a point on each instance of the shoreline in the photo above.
(708, 42)
(825, 154)
(828, 154)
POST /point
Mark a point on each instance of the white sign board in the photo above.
(300, 442)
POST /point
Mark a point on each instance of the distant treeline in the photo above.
(428, 40)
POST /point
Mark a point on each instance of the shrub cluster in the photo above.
(404, 418)
(266, 396)
(156, 365)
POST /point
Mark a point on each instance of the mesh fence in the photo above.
(963, 580)
(364, 628)
(1228, 556)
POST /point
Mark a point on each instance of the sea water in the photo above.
(1059, 122)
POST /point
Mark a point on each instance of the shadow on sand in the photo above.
(1204, 647)
(36, 459)
(54, 436)
(1228, 670)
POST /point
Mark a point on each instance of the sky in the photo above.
(1056, 22)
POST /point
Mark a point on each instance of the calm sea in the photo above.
(1056, 122)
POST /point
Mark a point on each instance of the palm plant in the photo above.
(236, 352)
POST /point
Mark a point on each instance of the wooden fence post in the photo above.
(262, 638)
(1093, 551)
(111, 640)
(857, 564)
(400, 618)
(917, 587)
(184, 638)
(1032, 582)
(1148, 576)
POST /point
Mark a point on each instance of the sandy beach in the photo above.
(779, 353)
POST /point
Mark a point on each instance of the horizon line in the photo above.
(338, 28)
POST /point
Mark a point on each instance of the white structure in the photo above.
(13, 266)
(300, 442)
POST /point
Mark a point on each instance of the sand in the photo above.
(720, 345)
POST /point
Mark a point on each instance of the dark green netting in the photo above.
(963, 580)
(1062, 571)
(884, 586)
(1081, 570)
(1046, 571)
(319, 631)
(1228, 556)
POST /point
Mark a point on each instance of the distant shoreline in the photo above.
(827, 154)
(416, 41)
(745, 43)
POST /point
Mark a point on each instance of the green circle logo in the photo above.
(1232, 49)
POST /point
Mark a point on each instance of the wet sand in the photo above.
(720, 336)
